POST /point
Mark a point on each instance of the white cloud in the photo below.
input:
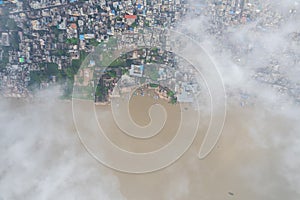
(41, 157)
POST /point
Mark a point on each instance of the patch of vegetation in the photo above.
(112, 42)
(171, 95)
(146, 23)
(118, 63)
(11, 24)
(72, 41)
(70, 72)
(60, 52)
(112, 73)
(124, 71)
(68, 89)
(101, 93)
(152, 72)
(4, 60)
(94, 42)
(77, 63)
(36, 77)
(134, 25)
(65, 77)
(56, 31)
(173, 100)
(51, 69)
(14, 40)
(153, 85)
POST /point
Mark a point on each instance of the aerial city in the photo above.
(150, 99)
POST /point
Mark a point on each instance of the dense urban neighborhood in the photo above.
(44, 43)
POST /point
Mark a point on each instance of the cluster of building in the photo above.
(272, 75)
(58, 31)
(226, 15)
(17, 81)
(175, 80)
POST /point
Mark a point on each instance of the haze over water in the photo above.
(255, 157)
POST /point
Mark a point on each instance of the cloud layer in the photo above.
(256, 157)
(41, 157)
